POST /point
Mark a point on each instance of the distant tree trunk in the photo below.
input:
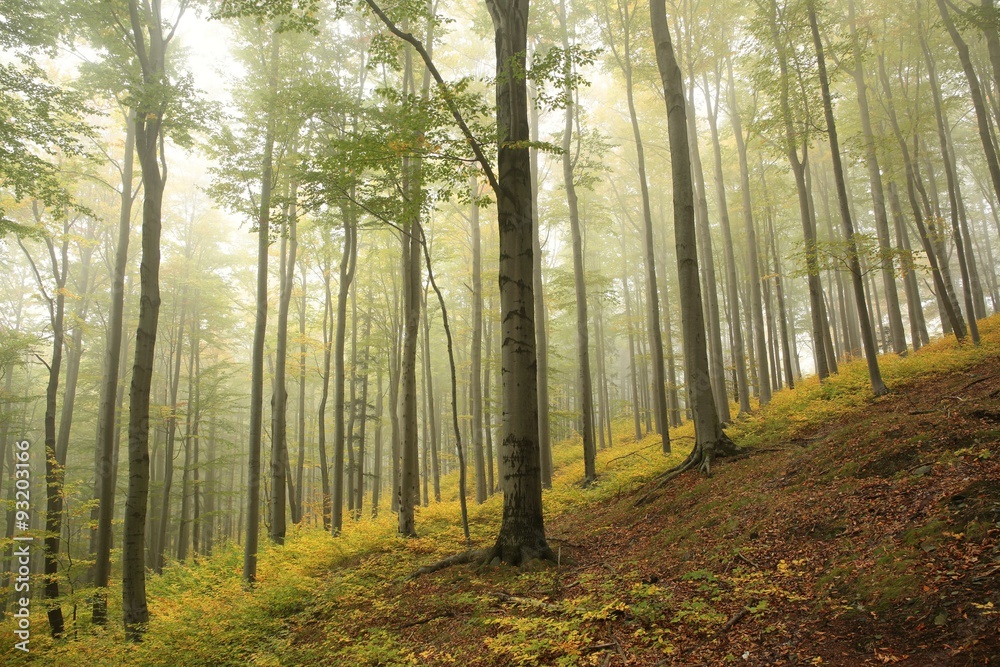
(260, 329)
(488, 406)
(106, 426)
(878, 192)
(805, 211)
(867, 337)
(348, 263)
(190, 435)
(586, 391)
(914, 305)
(732, 283)
(703, 238)
(54, 467)
(654, 336)
(301, 415)
(786, 339)
(324, 467)
(975, 92)
(950, 309)
(541, 336)
(433, 470)
(352, 408)
(631, 346)
(209, 516)
(753, 254)
(483, 487)
(377, 467)
(168, 461)
(710, 441)
(359, 485)
(951, 178)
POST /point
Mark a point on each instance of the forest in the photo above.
(657, 333)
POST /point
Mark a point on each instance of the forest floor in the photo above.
(856, 531)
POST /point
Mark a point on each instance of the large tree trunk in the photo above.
(710, 441)
(148, 118)
(260, 330)
(106, 426)
(867, 337)
(522, 531)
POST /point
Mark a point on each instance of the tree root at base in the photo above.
(724, 448)
(484, 557)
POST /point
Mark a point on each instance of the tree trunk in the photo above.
(753, 254)
(710, 441)
(483, 487)
(324, 467)
(732, 283)
(878, 193)
(522, 531)
(260, 329)
(654, 336)
(867, 337)
(106, 425)
(951, 178)
(348, 263)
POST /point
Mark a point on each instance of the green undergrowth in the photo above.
(325, 600)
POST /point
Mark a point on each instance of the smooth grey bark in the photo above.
(867, 337)
(703, 238)
(710, 440)
(483, 487)
(914, 305)
(951, 179)
(586, 391)
(106, 427)
(653, 332)
(732, 283)
(897, 334)
(377, 462)
(328, 334)
(54, 467)
(634, 385)
(805, 211)
(147, 36)
(171, 439)
(260, 327)
(976, 93)
(348, 264)
(950, 308)
(541, 334)
(359, 484)
(280, 483)
(753, 254)
(522, 531)
(786, 338)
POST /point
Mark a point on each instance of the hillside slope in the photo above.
(856, 531)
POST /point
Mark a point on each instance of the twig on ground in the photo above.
(427, 619)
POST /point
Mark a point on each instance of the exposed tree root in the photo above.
(524, 558)
(474, 556)
(700, 458)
